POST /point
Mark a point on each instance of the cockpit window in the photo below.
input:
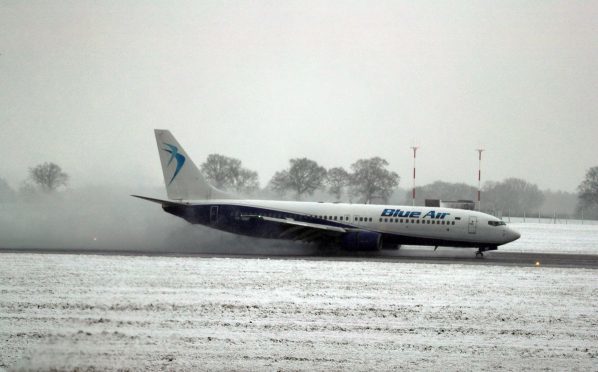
(496, 223)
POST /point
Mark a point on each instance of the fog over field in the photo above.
(110, 219)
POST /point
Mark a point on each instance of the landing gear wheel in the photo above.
(479, 254)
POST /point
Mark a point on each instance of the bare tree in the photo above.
(218, 169)
(588, 193)
(280, 182)
(512, 195)
(48, 176)
(337, 179)
(228, 174)
(370, 179)
(304, 176)
(245, 181)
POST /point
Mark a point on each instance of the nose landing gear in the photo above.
(481, 250)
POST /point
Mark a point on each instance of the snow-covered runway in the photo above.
(68, 311)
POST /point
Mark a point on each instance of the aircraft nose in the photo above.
(513, 235)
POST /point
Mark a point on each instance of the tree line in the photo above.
(512, 195)
(367, 181)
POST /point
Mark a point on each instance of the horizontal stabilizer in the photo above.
(159, 201)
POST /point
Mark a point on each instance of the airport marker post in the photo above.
(414, 153)
(479, 177)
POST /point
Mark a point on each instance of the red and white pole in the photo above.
(414, 154)
(479, 177)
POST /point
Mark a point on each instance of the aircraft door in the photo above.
(473, 223)
(213, 214)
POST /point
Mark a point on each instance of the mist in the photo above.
(105, 218)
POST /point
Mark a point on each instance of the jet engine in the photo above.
(361, 241)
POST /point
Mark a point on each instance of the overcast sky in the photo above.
(83, 84)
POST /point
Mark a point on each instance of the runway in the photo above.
(405, 255)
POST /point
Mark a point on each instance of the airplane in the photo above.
(351, 227)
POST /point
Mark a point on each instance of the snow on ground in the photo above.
(107, 312)
(554, 238)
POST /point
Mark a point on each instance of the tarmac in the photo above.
(408, 255)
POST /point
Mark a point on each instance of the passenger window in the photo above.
(380, 220)
(401, 220)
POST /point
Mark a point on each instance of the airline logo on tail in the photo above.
(174, 154)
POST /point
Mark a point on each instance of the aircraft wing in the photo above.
(300, 230)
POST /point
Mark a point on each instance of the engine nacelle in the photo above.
(361, 241)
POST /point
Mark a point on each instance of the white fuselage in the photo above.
(435, 223)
